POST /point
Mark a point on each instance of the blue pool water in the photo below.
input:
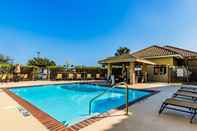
(70, 102)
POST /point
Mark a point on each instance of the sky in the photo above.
(85, 31)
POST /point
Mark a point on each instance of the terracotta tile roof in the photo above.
(154, 51)
(182, 52)
(151, 52)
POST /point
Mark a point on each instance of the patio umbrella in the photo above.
(17, 69)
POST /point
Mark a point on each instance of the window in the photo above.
(156, 70)
(160, 70)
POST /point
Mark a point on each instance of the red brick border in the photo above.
(48, 121)
(44, 118)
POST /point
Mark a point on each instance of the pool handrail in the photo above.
(99, 95)
(90, 103)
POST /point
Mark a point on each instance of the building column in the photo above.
(145, 72)
(132, 73)
(124, 72)
(109, 70)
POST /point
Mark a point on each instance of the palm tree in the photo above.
(121, 51)
(4, 59)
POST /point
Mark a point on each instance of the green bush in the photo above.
(55, 67)
(6, 68)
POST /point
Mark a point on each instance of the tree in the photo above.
(4, 59)
(67, 65)
(122, 50)
(41, 62)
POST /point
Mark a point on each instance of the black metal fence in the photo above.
(172, 74)
(30, 73)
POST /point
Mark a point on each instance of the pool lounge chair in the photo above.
(21, 76)
(10, 77)
(188, 88)
(59, 77)
(25, 77)
(78, 76)
(183, 94)
(172, 103)
(89, 76)
(70, 76)
(3, 78)
(98, 76)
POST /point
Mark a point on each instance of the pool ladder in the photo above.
(99, 95)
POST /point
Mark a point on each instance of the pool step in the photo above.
(104, 105)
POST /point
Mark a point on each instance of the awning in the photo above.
(127, 58)
(118, 59)
(145, 61)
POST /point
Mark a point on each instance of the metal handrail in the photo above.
(90, 103)
(99, 95)
(126, 97)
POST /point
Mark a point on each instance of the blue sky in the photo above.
(84, 31)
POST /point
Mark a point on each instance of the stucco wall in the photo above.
(193, 68)
(156, 78)
(163, 61)
(160, 61)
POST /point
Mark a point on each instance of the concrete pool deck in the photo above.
(12, 120)
(143, 115)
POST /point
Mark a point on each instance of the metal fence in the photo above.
(172, 74)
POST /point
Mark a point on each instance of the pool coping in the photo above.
(54, 125)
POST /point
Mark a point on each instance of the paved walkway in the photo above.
(12, 120)
(144, 117)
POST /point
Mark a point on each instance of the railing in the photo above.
(99, 95)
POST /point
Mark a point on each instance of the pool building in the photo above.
(154, 64)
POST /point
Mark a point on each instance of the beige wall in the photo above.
(156, 78)
(161, 78)
(160, 61)
(193, 69)
(164, 61)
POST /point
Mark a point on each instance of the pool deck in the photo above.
(143, 115)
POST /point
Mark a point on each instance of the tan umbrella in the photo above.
(17, 69)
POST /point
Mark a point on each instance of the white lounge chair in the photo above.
(70, 76)
(89, 76)
(78, 76)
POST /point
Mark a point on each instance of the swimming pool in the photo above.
(70, 102)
